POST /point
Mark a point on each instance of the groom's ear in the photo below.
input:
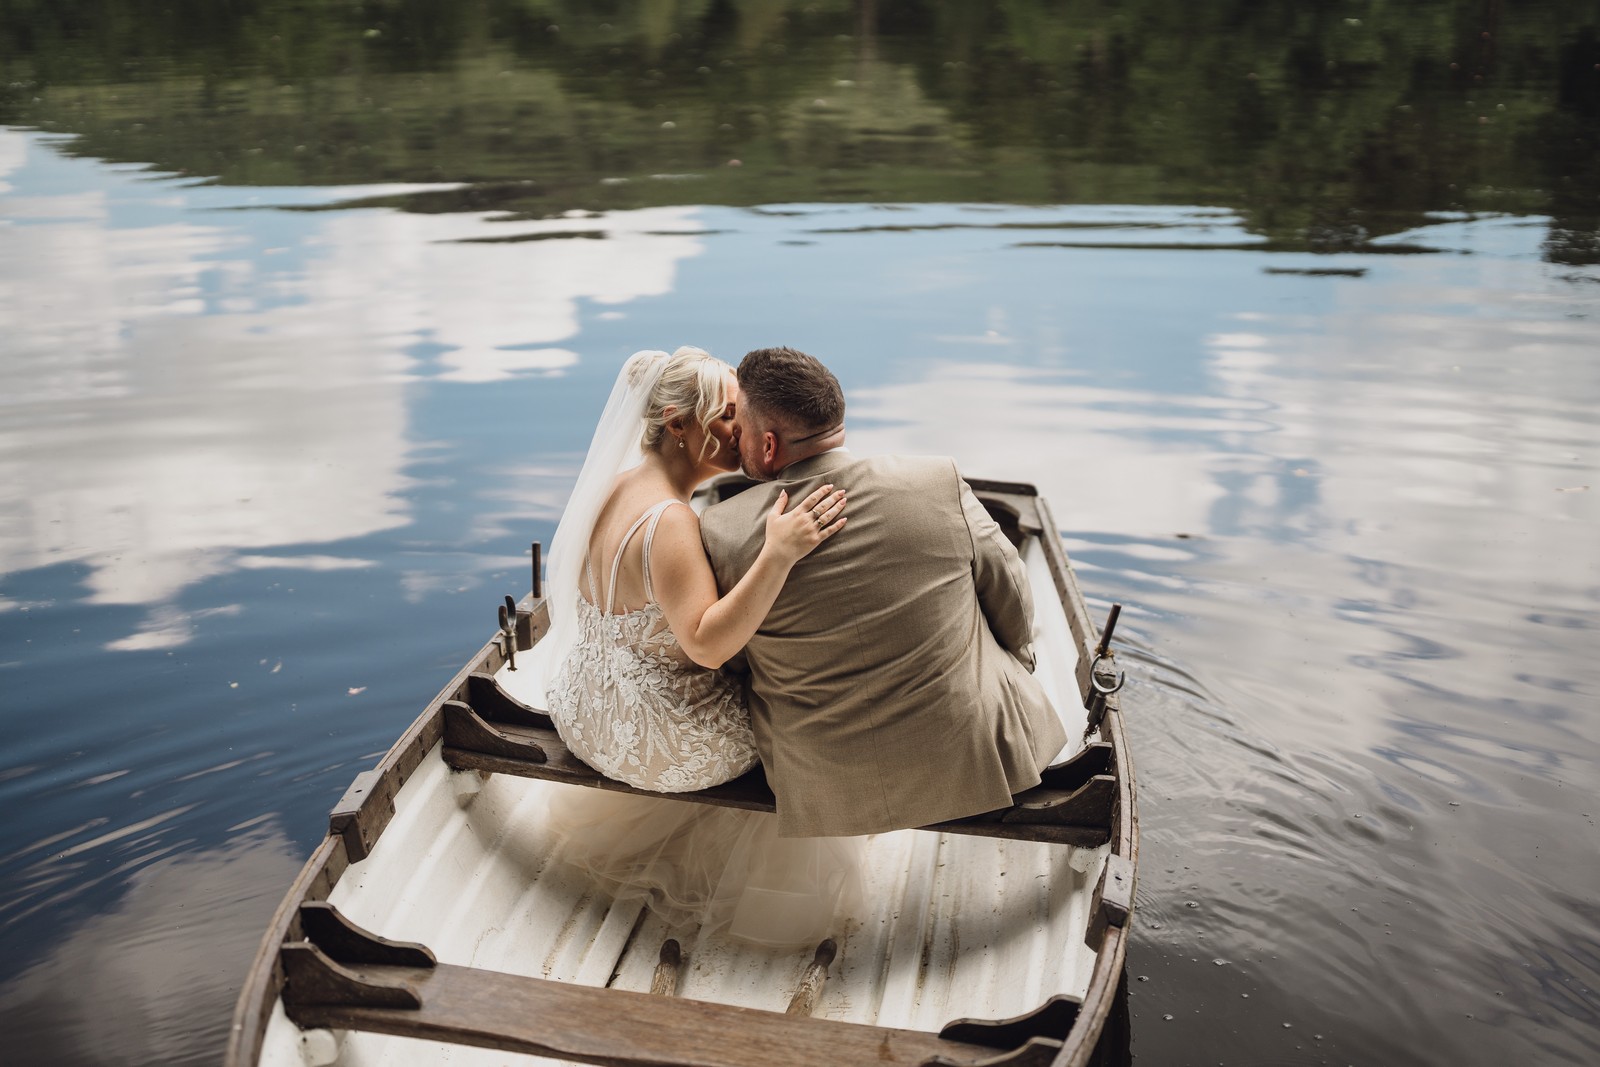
(769, 447)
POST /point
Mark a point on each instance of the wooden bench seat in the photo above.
(491, 731)
(340, 977)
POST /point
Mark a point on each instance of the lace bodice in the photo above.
(630, 703)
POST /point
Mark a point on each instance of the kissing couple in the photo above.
(859, 626)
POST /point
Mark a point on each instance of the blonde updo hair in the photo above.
(693, 384)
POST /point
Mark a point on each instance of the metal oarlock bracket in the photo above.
(508, 632)
(1103, 654)
(1116, 675)
(1103, 682)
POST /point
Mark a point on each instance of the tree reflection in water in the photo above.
(1324, 126)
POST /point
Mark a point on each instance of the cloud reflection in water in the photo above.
(1095, 453)
(153, 980)
(188, 388)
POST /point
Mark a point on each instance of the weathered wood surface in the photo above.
(614, 1027)
(1051, 1019)
(1112, 902)
(1094, 759)
(1038, 1052)
(1078, 816)
(344, 941)
(513, 752)
(1087, 806)
(664, 982)
(804, 1001)
(361, 813)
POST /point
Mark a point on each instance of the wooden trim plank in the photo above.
(1112, 902)
(613, 1027)
(1079, 816)
(488, 698)
(1090, 805)
(1095, 758)
(1055, 1016)
(464, 728)
(343, 941)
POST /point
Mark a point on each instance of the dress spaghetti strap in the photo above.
(650, 516)
(649, 537)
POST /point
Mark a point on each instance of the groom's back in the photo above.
(886, 685)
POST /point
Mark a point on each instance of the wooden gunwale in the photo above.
(327, 864)
(1112, 955)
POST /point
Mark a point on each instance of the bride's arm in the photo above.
(712, 630)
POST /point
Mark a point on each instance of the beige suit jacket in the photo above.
(891, 685)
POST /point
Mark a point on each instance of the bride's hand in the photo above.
(811, 522)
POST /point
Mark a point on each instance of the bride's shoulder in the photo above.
(676, 541)
(675, 514)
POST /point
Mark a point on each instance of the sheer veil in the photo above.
(613, 449)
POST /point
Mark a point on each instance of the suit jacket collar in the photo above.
(812, 466)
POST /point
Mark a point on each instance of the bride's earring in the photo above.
(681, 444)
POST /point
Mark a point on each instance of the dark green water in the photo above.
(1292, 311)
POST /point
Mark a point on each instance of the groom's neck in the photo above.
(800, 451)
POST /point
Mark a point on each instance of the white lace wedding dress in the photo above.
(630, 703)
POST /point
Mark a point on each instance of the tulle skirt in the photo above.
(725, 870)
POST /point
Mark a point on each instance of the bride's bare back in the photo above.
(636, 492)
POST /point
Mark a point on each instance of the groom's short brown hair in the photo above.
(792, 387)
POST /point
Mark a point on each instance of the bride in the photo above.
(639, 633)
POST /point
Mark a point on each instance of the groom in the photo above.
(891, 685)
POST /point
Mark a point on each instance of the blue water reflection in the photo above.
(270, 456)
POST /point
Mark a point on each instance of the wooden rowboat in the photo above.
(431, 924)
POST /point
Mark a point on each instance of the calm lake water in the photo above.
(1294, 317)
